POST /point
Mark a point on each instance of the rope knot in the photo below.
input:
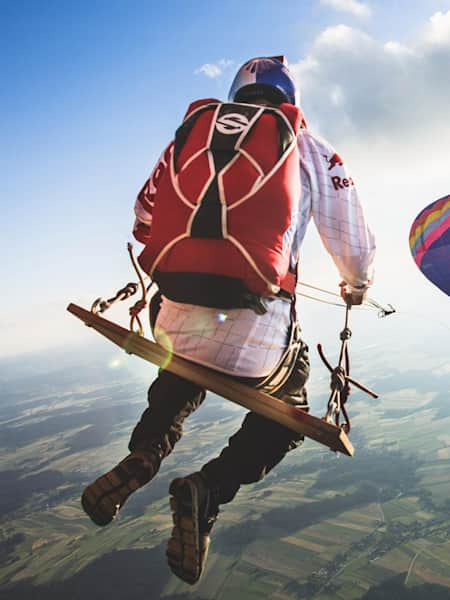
(338, 379)
(137, 307)
(345, 334)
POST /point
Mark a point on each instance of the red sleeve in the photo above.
(145, 201)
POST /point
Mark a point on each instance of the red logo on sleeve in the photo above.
(334, 161)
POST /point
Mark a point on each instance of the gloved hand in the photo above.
(352, 296)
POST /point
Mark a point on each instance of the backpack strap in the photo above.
(192, 114)
(289, 283)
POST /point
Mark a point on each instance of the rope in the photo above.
(383, 311)
(142, 303)
(320, 300)
(369, 303)
(318, 289)
(100, 305)
(340, 379)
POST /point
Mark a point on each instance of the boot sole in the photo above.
(103, 499)
(185, 556)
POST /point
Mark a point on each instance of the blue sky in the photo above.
(92, 91)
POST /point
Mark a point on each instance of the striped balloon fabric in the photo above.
(429, 240)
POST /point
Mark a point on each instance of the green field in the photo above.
(318, 527)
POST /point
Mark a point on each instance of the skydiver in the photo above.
(256, 340)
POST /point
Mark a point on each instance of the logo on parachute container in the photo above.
(334, 160)
(232, 123)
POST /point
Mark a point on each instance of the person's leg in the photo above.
(258, 446)
(252, 452)
(171, 399)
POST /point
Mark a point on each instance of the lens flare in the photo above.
(165, 342)
(116, 363)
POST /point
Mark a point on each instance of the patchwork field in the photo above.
(318, 527)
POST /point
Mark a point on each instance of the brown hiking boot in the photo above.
(103, 499)
(193, 515)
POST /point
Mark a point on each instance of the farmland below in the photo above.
(319, 526)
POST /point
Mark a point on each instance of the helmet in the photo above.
(268, 77)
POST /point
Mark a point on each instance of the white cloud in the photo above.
(342, 37)
(353, 85)
(437, 30)
(209, 70)
(385, 108)
(396, 48)
(214, 70)
(355, 8)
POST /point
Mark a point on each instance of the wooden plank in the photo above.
(295, 418)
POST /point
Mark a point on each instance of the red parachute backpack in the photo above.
(222, 222)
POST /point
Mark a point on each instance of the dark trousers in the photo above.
(258, 446)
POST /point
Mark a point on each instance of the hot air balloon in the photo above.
(429, 240)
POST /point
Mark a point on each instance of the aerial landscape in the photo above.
(94, 91)
(321, 526)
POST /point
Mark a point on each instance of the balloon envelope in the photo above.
(429, 240)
